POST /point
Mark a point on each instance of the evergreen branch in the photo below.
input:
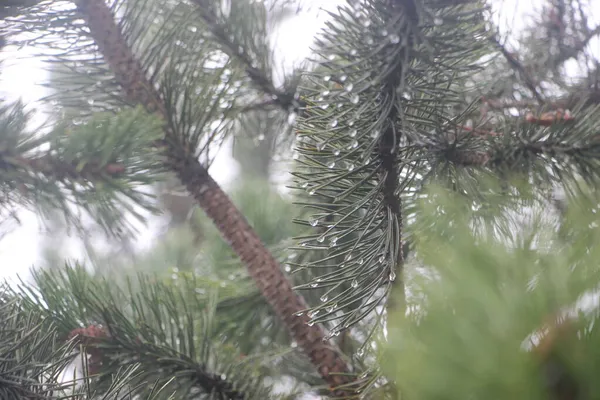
(233, 226)
(89, 164)
(31, 357)
(517, 66)
(207, 11)
(393, 67)
(148, 327)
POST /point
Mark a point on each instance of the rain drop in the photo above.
(292, 118)
(392, 276)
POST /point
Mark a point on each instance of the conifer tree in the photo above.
(405, 94)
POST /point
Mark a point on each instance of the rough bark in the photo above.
(261, 265)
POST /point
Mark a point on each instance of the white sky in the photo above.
(21, 76)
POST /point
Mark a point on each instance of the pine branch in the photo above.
(181, 159)
(148, 327)
(284, 99)
(32, 357)
(385, 77)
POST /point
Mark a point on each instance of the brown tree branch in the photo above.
(54, 168)
(260, 263)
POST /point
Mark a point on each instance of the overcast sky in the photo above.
(20, 77)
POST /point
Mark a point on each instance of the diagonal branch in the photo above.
(261, 265)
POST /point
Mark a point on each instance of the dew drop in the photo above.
(324, 298)
(353, 52)
(384, 32)
(331, 57)
(312, 192)
(305, 185)
(324, 106)
(296, 155)
(343, 78)
(90, 102)
(353, 133)
(311, 323)
(294, 344)
(355, 144)
(381, 259)
(348, 257)
(288, 268)
(394, 38)
(331, 165)
(327, 78)
(354, 99)
(334, 123)
(392, 276)
(261, 137)
(370, 41)
(438, 21)
(366, 23)
(313, 285)
(299, 313)
(348, 88)
(325, 93)
(333, 241)
(354, 283)
(292, 118)
(336, 152)
(350, 167)
(313, 222)
(321, 239)
(361, 352)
